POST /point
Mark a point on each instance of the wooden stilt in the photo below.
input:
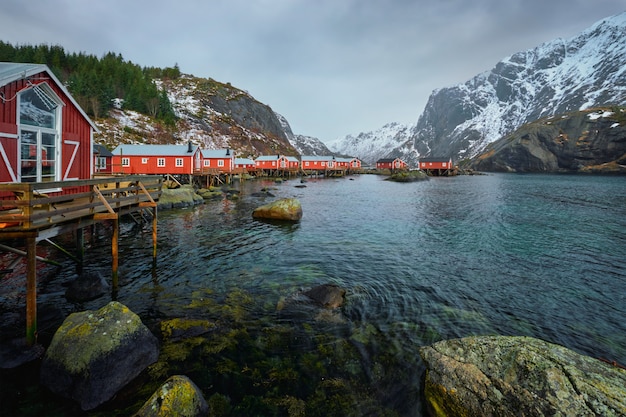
(80, 246)
(154, 234)
(31, 290)
(114, 252)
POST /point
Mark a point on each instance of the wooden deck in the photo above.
(31, 212)
(46, 209)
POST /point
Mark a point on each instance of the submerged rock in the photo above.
(328, 295)
(96, 353)
(513, 376)
(178, 396)
(288, 209)
(88, 286)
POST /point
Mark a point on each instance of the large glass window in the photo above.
(39, 136)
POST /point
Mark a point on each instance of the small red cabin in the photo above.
(318, 163)
(271, 162)
(391, 163)
(156, 159)
(245, 164)
(435, 163)
(44, 134)
(348, 163)
(102, 160)
(437, 166)
(218, 160)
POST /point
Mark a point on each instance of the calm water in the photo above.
(535, 255)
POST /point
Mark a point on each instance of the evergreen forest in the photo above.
(95, 83)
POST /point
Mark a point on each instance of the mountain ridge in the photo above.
(555, 77)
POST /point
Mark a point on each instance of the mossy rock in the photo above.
(178, 396)
(96, 353)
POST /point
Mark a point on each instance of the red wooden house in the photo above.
(391, 163)
(156, 159)
(44, 134)
(245, 164)
(217, 160)
(437, 166)
(271, 162)
(435, 163)
(318, 163)
(348, 163)
(102, 160)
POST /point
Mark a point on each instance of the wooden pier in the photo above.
(32, 212)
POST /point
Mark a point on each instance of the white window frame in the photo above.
(125, 162)
(220, 163)
(180, 162)
(161, 162)
(144, 160)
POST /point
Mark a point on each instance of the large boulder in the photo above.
(96, 353)
(284, 209)
(178, 396)
(519, 376)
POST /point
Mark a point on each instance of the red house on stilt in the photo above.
(44, 135)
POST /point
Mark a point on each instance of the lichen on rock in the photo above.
(96, 353)
(510, 376)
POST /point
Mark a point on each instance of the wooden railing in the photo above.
(31, 206)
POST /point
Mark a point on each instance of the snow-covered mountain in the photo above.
(371, 146)
(305, 145)
(556, 77)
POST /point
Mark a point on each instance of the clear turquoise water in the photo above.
(535, 255)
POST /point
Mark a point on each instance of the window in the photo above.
(207, 162)
(39, 139)
(125, 162)
(306, 163)
(144, 161)
(220, 163)
(101, 163)
(179, 162)
(160, 162)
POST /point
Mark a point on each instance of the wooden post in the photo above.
(31, 290)
(80, 245)
(114, 251)
(154, 234)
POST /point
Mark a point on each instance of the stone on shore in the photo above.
(178, 396)
(514, 376)
(288, 209)
(181, 197)
(96, 353)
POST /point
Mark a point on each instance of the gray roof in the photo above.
(244, 161)
(267, 157)
(317, 158)
(12, 71)
(154, 150)
(102, 150)
(217, 153)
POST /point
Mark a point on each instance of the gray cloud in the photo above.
(331, 67)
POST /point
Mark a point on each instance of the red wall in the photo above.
(75, 128)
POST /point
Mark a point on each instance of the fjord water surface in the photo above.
(535, 255)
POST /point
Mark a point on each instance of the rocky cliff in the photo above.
(584, 141)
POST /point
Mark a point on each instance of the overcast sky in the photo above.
(331, 67)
